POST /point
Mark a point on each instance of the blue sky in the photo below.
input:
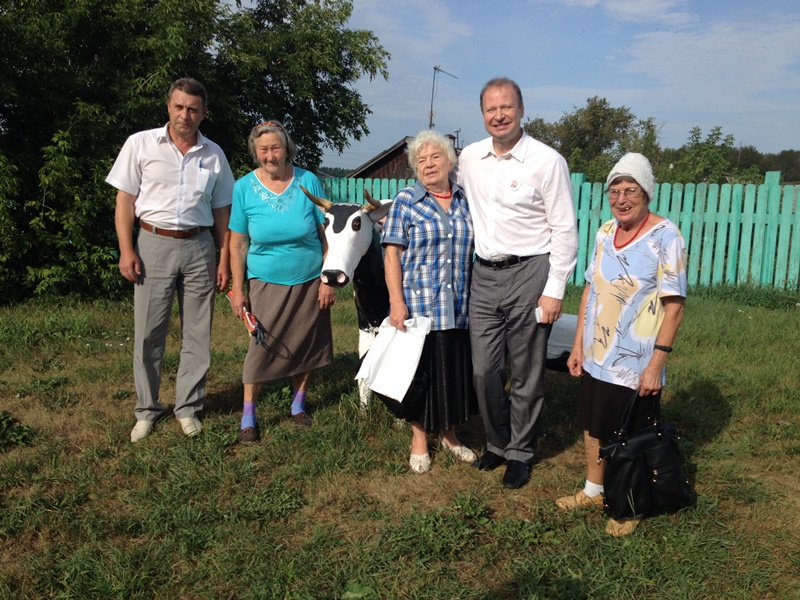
(686, 63)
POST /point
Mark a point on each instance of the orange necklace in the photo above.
(446, 196)
(616, 231)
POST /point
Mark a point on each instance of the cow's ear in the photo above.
(377, 214)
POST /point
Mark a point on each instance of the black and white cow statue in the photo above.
(355, 256)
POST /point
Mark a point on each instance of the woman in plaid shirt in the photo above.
(428, 242)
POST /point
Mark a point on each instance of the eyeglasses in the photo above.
(627, 193)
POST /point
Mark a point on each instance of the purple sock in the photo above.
(249, 415)
(299, 403)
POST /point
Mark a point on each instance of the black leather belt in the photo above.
(178, 234)
(504, 263)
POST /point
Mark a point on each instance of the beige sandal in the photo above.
(621, 528)
(580, 500)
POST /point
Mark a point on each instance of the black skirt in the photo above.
(441, 394)
(601, 405)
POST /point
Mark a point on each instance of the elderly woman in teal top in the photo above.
(277, 248)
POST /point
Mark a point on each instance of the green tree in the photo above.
(333, 171)
(743, 157)
(545, 132)
(10, 235)
(706, 161)
(78, 76)
(592, 138)
(594, 129)
(786, 161)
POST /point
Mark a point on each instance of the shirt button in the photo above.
(449, 286)
(449, 235)
(449, 261)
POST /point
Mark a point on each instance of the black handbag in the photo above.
(644, 474)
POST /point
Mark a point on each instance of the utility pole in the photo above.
(437, 69)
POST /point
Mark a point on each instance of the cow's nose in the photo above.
(335, 278)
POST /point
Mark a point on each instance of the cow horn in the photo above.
(373, 204)
(321, 202)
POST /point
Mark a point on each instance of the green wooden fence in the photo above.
(735, 234)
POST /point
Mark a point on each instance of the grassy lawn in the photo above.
(334, 512)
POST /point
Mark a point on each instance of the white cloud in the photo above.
(738, 68)
(649, 11)
(732, 62)
(636, 11)
(415, 33)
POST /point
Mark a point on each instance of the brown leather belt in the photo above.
(178, 234)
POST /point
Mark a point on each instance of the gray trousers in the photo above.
(503, 329)
(169, 266)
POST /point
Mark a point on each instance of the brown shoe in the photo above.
(301, 420)
(622, 528)
(248, 435)
(580, 500)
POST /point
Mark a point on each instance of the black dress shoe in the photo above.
(489, 461)
(517, 474)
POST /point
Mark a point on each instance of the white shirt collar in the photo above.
(163, 136)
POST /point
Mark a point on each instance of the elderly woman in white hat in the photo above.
(630, 313)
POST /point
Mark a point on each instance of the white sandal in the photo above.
(420, 463)
(461, 452)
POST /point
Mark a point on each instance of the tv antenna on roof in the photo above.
(436, 69)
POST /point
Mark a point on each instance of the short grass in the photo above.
(333, 511)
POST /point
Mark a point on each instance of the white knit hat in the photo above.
(636, 166)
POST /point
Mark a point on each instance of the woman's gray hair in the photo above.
(434, 138)
(272, 127)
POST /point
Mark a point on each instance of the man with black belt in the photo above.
(526, 242)
(179, 185)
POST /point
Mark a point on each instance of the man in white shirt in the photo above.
(178, 184)
(526, 241)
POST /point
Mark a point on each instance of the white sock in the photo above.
(592, 489)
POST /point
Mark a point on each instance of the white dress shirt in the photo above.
(521, 205)
(173, 190)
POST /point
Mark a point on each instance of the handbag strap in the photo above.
(626, 422)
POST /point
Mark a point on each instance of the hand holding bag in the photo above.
(644, 472)
(390, 363)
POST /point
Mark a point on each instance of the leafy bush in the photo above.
(12, 432)
(76, 78)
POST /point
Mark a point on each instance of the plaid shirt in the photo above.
(437, 259)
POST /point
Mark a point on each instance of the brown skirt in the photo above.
(297, 333)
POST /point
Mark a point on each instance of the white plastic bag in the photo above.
(390, 364)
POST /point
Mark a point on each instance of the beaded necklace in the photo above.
(621, 246)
